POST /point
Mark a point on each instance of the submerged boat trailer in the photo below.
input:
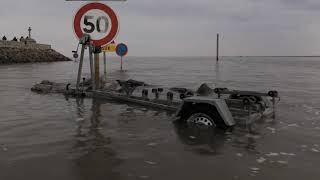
(220, 107)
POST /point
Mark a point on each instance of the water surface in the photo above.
(52, 137)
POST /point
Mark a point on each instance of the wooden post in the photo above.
(217, 47)
(96, 70)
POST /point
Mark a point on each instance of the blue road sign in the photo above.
(122, 49)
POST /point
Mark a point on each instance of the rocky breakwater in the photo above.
(11, 55)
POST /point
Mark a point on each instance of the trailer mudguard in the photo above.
(219, 104)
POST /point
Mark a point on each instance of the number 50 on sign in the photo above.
(99, 21)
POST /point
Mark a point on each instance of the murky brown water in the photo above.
(51, 137)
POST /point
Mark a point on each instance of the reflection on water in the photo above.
(92, 154)
(208, 141)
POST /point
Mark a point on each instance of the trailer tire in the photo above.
(201, 119)
(205, 112)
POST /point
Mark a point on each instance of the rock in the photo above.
(9, 55)
(49, 87)
(42, 88)
(46, 82)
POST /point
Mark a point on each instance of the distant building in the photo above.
(29, 39)
(27, 42)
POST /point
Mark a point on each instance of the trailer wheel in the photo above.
(201, 119)
(204, 114)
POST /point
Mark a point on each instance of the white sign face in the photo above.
(96, 23)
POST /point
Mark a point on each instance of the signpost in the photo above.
(97, 20)
(121, 51)
(100, 23)
(110, 48)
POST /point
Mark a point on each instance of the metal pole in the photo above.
(80, 67)
(217, 69)
(91, 67)
(121, 64)
(217, 47)
(274, 107)
(105, 65)
(97, 70)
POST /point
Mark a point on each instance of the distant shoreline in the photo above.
(270, 56)
(207, 56)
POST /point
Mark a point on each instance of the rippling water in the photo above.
(51, 137)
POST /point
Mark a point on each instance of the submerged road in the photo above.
(50, 137)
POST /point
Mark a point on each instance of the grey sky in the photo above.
(180, 27)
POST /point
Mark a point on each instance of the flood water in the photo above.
(51, 137)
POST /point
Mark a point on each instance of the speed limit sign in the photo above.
(97, 20)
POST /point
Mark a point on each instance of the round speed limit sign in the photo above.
(97, 20)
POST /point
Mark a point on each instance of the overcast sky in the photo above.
(180, 27)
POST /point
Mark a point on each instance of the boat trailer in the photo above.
(219, 107)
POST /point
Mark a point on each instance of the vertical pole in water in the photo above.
(105, 65)
(91, 67)
(121, 64)
(80, 67)
(218, 47)
(96, 67)
(274, 107)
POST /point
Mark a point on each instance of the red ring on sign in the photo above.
(114, 21)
